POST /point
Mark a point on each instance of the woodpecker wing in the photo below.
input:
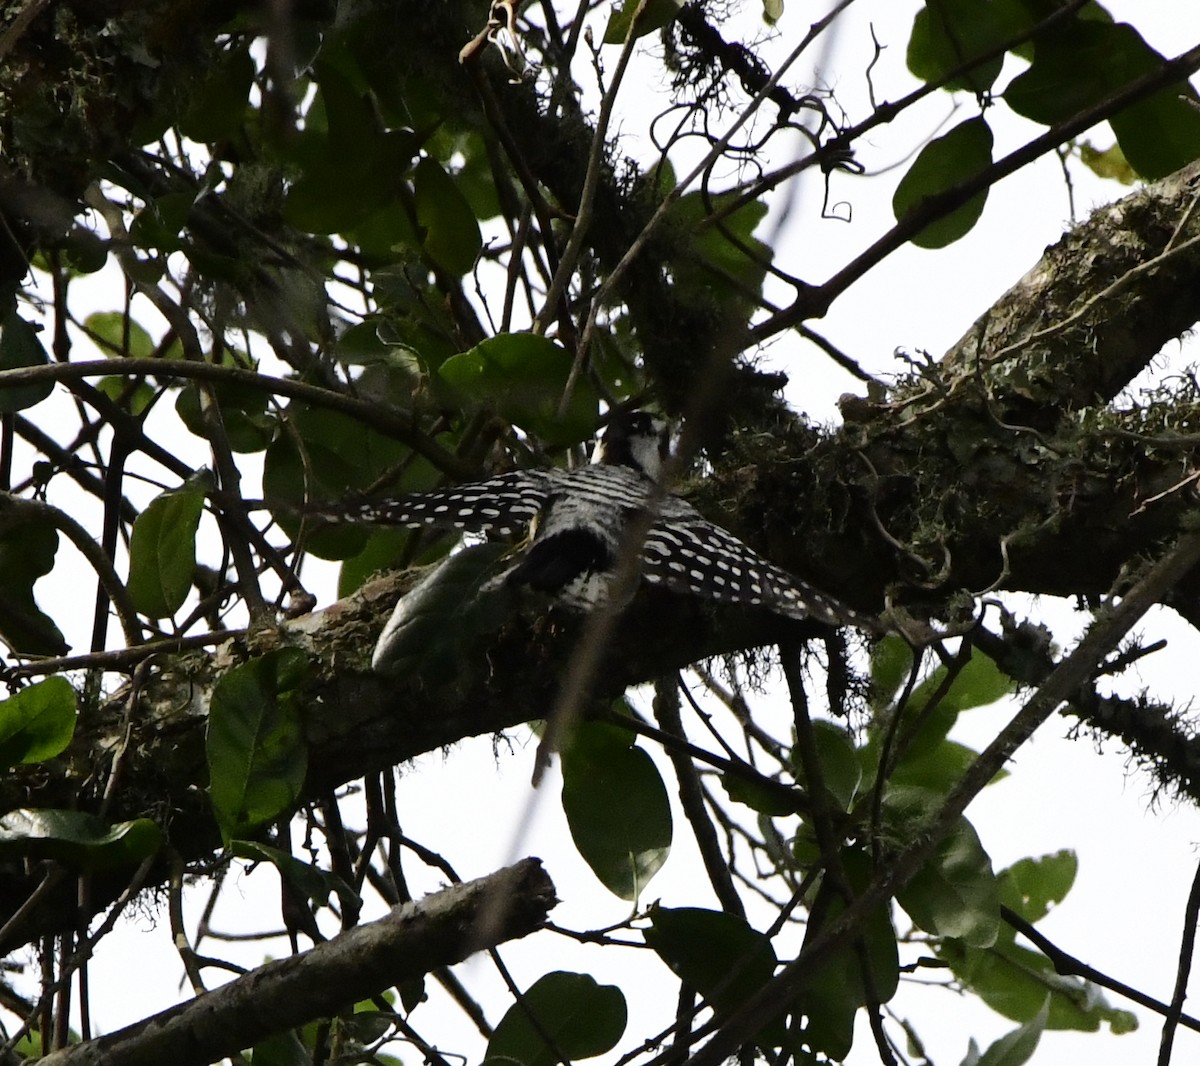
(687, 553)
(502, 506)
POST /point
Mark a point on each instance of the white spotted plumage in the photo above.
(576, 520)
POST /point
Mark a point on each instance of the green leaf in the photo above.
(282, 1049)
(115, 333)
(980, 683)
(474, 175)
(1032, 886)
(841, 770)
(37, 723)
(27, 549)
(450, 231)
(724, 262)
(757, 797)
(936, 769)
(579, 1017)
(257, 757)
(832, 996)
(1015, 980)
(522, 377)
(432, 634)
(349, 167)
(338, 192)
(1088, 61)
(656, 15)
(617, 808)
(249, 424)
(383, 550)
(159, 225)
(943, 164)
(955, 893)
(308, 881)
(929, 760)
(772, 11)
(1160, 134)
(84, 252)
(19, 348)
(162, 550)
(891, 660)
(217, 104)
(324, 456)
(1017, 1047)
(79, 839)
(1109, 163)
(948, 33)
(128, 393)
(716, 953)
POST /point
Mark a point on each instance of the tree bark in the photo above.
(1003, 466)
(412, 940)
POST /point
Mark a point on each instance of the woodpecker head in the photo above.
(636, 439)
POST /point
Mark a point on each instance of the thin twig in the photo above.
(386, 419)
(591, 182)
(1187, 945)
(123, 659)
(1070, 966)
(1066, 679)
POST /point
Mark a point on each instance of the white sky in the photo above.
(1136, 865)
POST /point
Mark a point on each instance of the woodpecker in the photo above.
(576, 521)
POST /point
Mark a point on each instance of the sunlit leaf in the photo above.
(37, 723)
(117, 334)
(1108, 163)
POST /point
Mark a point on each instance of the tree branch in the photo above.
(1072, 672)
(413, 939)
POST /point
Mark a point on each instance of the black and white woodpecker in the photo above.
(576, 522)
